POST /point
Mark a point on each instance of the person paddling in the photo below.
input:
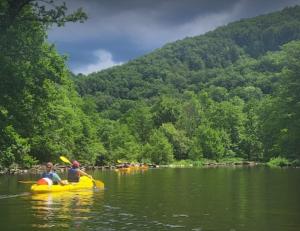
(74, 172)
(50, 177)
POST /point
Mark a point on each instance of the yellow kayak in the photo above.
(84, 183)
(132, 169)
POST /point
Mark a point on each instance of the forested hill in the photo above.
(215, 95)
(192, 62)
(231, 93)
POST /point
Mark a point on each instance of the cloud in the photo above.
(135, 19)
(131, 28)
(104, 60)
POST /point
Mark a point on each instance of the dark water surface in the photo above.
(196, 199)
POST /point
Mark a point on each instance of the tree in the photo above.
(118, 141)
(281, 124)
(36, 90)
(191, 114)
(251, 144)
(140, 121)
(44, 11)
(158, 150)
(166, 110)
(228, 116)
(178, 139)
(211, 143)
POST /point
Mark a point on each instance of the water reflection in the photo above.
(243, 199)
(130, 170)
(62, 209)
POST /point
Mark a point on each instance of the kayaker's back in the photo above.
(73, 175)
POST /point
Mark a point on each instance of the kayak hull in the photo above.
(84, 183)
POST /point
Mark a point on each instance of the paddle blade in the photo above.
(99, 184)
(65, 159)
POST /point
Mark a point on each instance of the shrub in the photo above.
(278, 162)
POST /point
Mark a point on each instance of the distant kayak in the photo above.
(84, 183)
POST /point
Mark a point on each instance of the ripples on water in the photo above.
(14, 195)
(86, 210)
(167, 199)
(64, 210)
(115, 217)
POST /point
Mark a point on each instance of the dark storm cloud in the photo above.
(119, 30)
(170, 12)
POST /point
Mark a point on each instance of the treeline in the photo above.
(233, 92)
(41, 114)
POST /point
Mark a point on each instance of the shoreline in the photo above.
(38, 169)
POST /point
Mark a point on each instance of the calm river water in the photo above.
(196, 199)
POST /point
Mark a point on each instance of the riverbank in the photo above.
(236, 162)
(214, 164)
(38, 169)
(229, 162)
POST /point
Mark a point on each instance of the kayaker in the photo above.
(74, 172)
(50, 177)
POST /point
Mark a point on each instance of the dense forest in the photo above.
(231, 93)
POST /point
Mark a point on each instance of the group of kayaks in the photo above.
(131, 167)
(84, 182)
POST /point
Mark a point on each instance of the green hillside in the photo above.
(234, 71)
(230, 93)
(184, 63)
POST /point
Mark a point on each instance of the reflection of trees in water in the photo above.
(62, 209)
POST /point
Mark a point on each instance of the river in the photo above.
(197, 199)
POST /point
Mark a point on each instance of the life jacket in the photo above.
(48, 175)
(73, 175)
(45, 181)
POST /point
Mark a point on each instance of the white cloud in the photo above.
(104, 60)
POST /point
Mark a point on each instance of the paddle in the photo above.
(64, 159)
(27, 182)
(98, 183)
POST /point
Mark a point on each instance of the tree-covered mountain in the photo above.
(195, 61)
(207, 96)
(232, 92)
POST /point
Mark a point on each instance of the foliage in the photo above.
(214, 143)
(158, 150)
(178, 139)
(187, 163)
(230, 94)
(41, 111)
(278, 162)
(14, 149)
(140, 121)
(118, 142)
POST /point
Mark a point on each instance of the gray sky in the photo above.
(121, 30)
